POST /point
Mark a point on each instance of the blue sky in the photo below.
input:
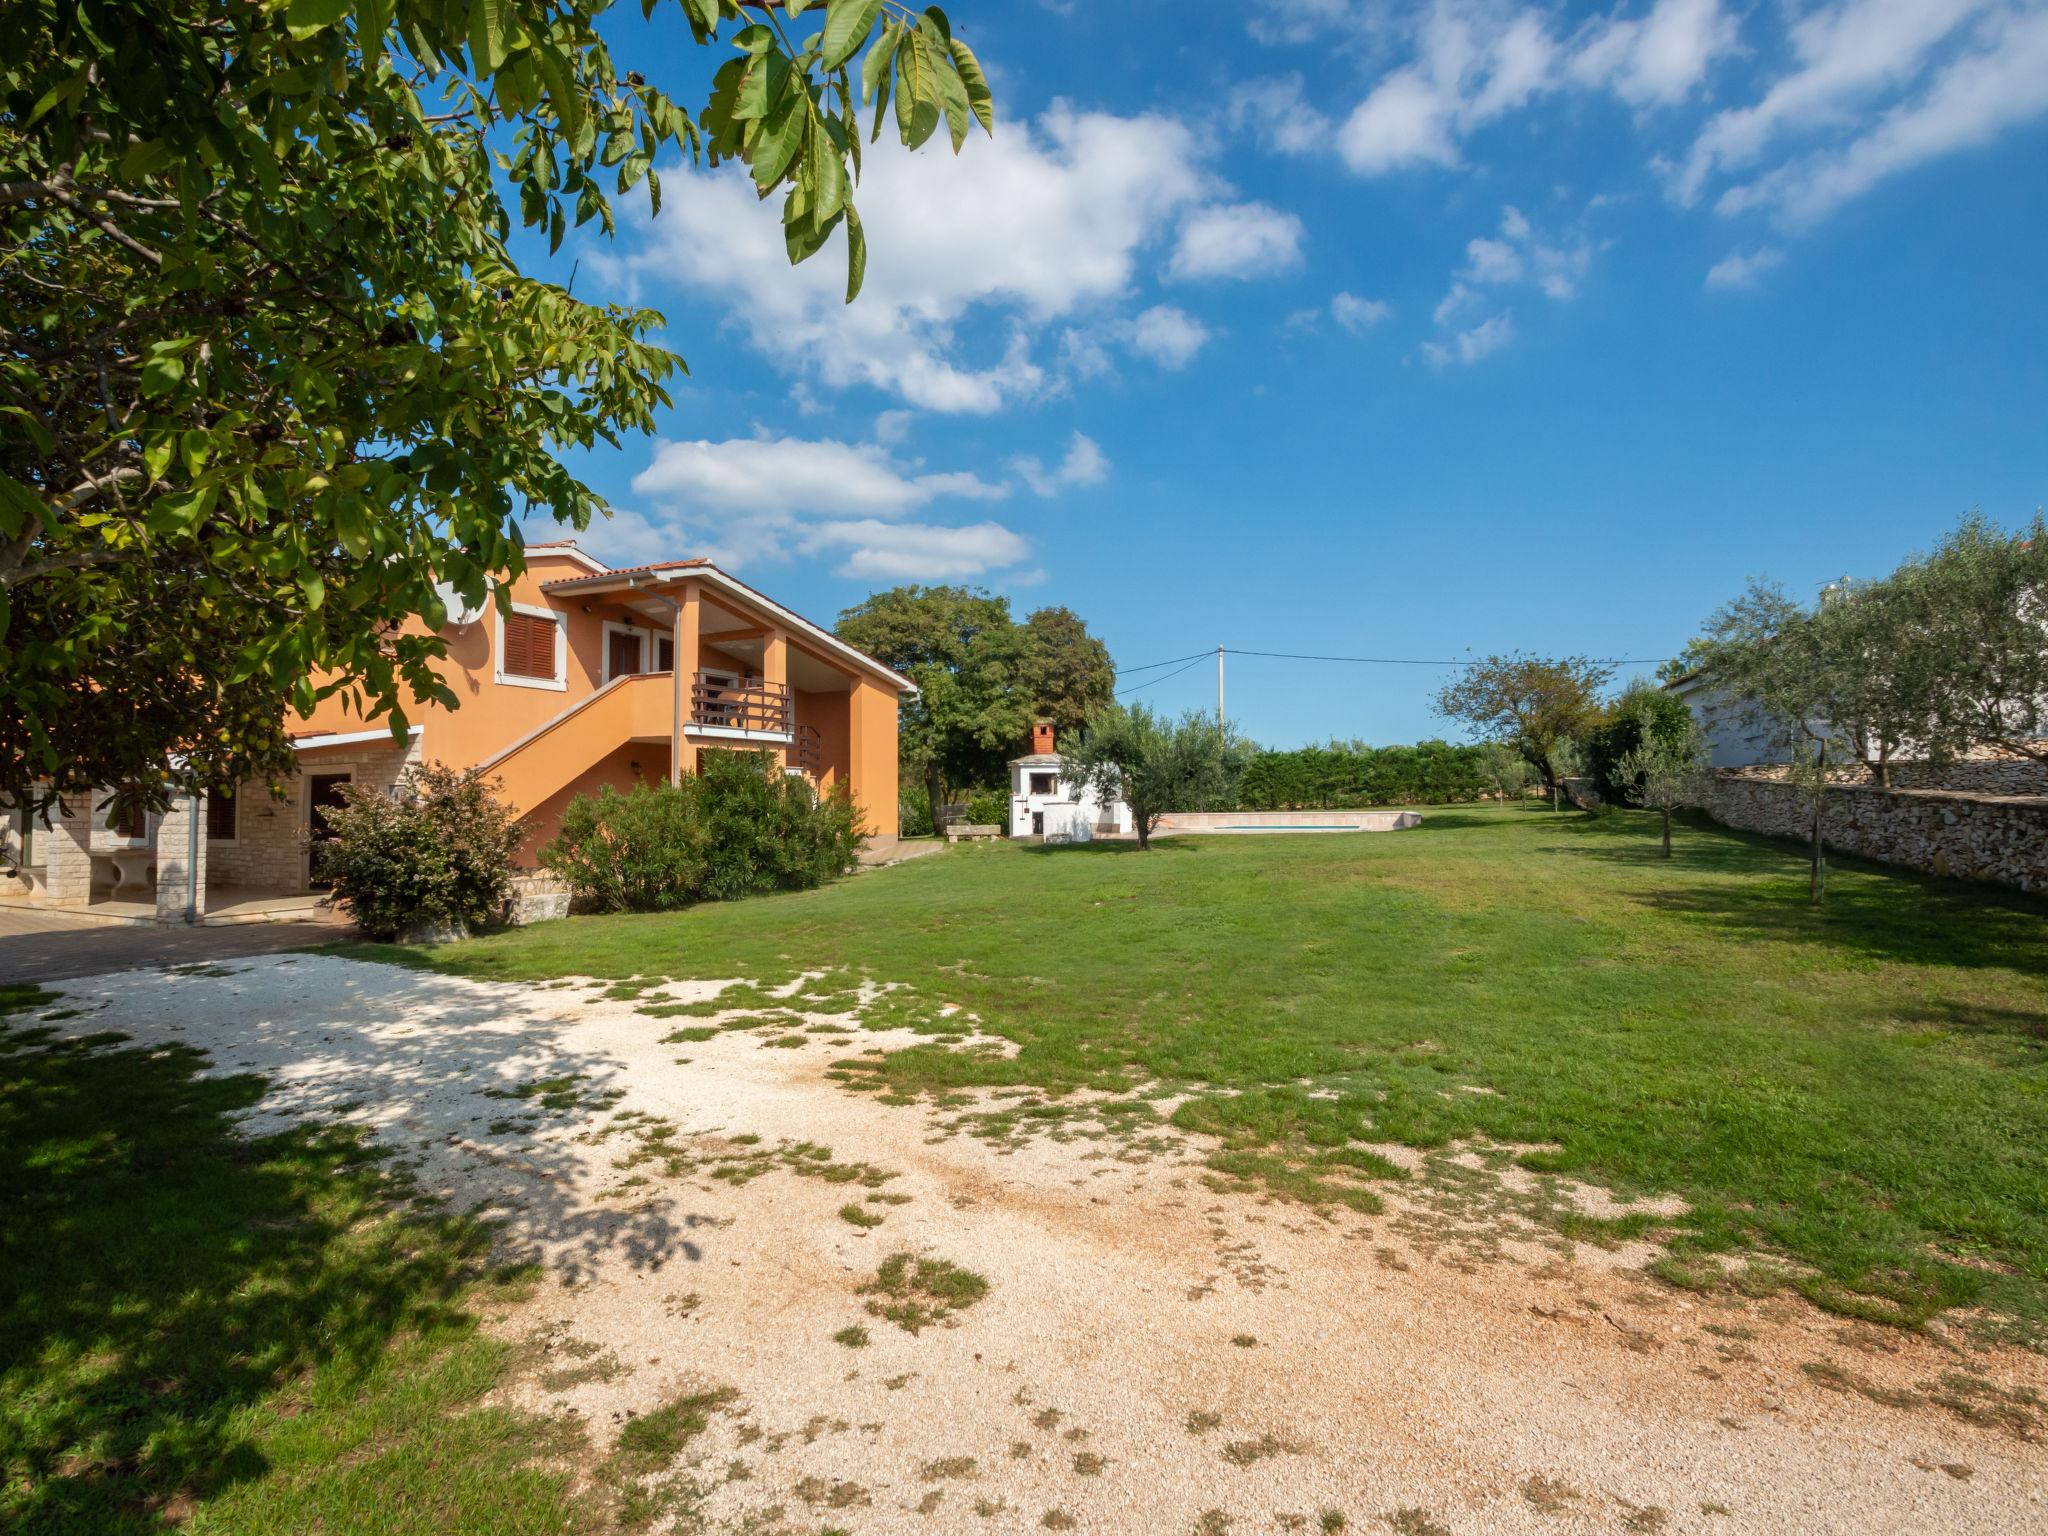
(1407, 330)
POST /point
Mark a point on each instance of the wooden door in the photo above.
(622, 652)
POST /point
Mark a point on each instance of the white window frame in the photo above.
(559, 683)
(613, 626)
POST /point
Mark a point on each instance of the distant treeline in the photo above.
(1347, 774)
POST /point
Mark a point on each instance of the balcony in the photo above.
(754, 708)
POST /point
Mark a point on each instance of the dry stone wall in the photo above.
(1963, 832)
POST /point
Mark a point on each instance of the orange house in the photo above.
(595, 677)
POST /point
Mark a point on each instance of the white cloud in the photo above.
(877, 551)
(1084, 464)
(1658, 59)
(785, 476)
(892, 426)
(1998, 81)
(1475, 61)
(1358, 315)
(969, 256)
(1168, 336)
(1741, 269)
(1276, 110)
(1236, 240)
(1518, 254)
(1468, 346)
(747, 500)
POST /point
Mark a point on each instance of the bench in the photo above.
(959, 829)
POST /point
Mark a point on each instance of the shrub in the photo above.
(989, 808)
(435, 851)
(914, 816)
(738, 828)
(1346, 775)
(644, 851)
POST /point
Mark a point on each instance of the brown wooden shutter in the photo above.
(529, 647)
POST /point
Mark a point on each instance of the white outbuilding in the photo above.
(1043, 804)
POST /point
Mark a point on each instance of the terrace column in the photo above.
(181, 861)
(689, 625)
(775, 674)
(67, 850)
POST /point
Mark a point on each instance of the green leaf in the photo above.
(874, 69)
(162, 374)
(828, 174)
(952, 95)
(486, 34)
(847, 24)
(780, 137)
(976, 82)
(856, 254)
(303, 18)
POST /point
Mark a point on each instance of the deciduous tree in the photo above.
(965, 654)
(1536, 704)
(1668, 772)
(1067, 674)
(270, 375)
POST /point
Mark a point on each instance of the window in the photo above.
(220, 816)
(132, 823)
(1043, 784)
(530, 648)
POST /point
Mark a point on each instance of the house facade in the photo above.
(595, 677)
(1044, 804)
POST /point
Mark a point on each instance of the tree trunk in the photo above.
(934, 793)
(1553, 794)
(1144, 828)
(1817, 885)
(1667, 831)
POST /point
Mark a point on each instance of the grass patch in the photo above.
(238, 1334)
(914, 1293)
(860, 1216)
(1860, 1091)
(653, 1440)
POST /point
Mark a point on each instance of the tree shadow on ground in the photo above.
(1753, 889)
(195, 1228)
(1111, 848)
(164, 1274)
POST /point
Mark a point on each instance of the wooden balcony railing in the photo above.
(749, 706)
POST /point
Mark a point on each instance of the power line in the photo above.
(1153, 666)
(1191, 663)
(1425, 661)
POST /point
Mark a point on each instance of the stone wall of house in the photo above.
(268, 850)
(1960, 832)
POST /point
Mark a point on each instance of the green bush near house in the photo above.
(1348, 775)
(739, 827)
(437, 851)
(989, 808)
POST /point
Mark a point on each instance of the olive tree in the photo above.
(272, 381)
(1668, 772)
(1155, 764)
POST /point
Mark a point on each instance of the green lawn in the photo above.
(1862, 1091)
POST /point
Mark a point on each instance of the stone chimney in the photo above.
(1041, 738)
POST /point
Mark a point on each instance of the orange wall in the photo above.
(873, 756)
(614, 768)
(828, 715)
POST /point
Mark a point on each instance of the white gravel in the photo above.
(1389, 1371)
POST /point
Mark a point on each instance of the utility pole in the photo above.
(1219, 687)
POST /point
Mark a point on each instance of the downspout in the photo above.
(192, 860)
(675, 674)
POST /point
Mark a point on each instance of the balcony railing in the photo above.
(808, 752)
(750, 706)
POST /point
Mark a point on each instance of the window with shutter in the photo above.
(529, 647)
(220, 815)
